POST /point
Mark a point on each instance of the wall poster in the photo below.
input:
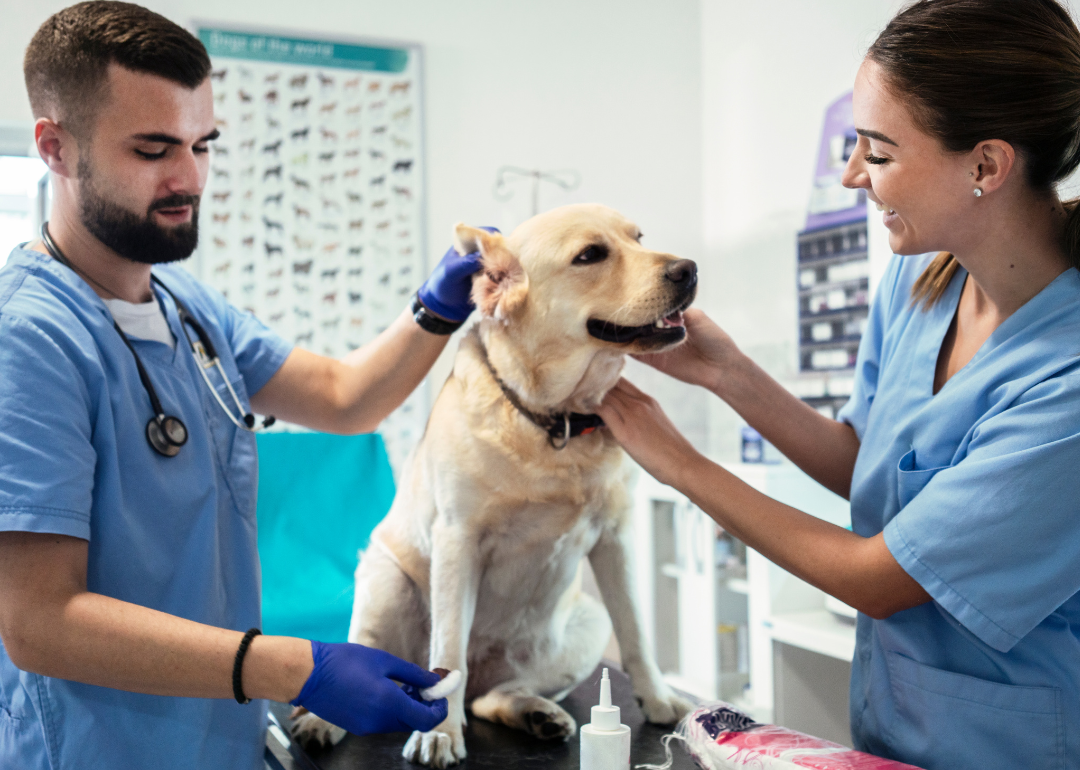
(313, 212)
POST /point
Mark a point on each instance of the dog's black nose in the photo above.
(682, 272)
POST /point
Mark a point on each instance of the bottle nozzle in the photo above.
(605, 716)
(605, 690)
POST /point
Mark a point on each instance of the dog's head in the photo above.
(579, 275)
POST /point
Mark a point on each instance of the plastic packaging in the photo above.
(720, 737)
(605, 742)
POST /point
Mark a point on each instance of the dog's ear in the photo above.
(499, 289)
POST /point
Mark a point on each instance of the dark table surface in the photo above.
(495, 746)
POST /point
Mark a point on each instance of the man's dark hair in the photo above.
(66, 64)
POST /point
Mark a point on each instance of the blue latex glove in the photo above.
(446, 291)
(351, 687)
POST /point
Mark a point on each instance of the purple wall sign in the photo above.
(831, 203)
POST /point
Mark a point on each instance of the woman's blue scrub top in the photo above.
(175, 534)
(977, 490)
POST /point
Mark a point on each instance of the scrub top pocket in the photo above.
(911, 480)
(22, 737)
(1007, 726)
(236, 447)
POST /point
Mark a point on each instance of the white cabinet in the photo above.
(719, 618)
(692, 594)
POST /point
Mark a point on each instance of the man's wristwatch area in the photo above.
(428, 321)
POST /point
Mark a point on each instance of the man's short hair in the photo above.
(67, 61)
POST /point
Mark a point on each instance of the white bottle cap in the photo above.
(605, 716)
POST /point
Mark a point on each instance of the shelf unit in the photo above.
(693, 594)
(833, 294)
(726, 623)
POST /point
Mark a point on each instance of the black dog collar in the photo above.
(560, 427)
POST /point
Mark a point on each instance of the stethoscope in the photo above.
(167, 434)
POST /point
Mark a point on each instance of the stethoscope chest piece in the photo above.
(166, 435)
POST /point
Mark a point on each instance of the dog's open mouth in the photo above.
(666, 330)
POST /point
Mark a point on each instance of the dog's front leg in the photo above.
(455, 573)
(611, 560)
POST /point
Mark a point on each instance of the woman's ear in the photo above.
(992, 161)
(501, 286)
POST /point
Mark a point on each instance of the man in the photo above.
(128, 568)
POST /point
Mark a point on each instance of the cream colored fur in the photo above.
(473, 568)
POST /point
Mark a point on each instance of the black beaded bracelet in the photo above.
(238, 666)
(428, 321)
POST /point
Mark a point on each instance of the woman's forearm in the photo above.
(857, 570)
(860, 571)
(823, 448)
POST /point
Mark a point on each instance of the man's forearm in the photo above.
(355, 394)
(99, 640)
(823, 448)
(383, 373)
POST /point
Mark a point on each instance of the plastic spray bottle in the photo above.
(605, 743)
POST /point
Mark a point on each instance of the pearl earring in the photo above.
(978, 192)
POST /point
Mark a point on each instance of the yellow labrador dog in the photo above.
(511, 485)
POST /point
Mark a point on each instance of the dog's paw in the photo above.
(664, 708)
(548, 720)
(311, 731)
(435, 748)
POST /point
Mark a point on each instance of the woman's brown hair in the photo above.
(974, 70)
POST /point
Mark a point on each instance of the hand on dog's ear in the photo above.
(499, 289)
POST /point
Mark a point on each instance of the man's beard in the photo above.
(139, 239)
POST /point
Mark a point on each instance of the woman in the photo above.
(960, 447)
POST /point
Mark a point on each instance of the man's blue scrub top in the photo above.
(175, 534)
(977, 489)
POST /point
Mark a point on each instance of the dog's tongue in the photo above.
(675, 319)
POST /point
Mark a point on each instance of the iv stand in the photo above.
(567, 179)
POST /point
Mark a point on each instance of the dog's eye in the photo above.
(595, 253)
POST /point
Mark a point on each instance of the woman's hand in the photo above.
(645, 432)
(702, 359)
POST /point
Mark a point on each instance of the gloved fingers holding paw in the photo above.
(355, 687)
(447, 290)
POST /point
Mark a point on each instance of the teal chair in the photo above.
(320, 496)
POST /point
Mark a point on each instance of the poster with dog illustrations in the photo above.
(313, 212)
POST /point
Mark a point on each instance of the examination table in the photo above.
(491, 746)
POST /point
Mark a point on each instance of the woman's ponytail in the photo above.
(1072, 231)
(934, 280)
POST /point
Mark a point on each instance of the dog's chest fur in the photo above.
(533, 523)
(529, 559)
(532, 512)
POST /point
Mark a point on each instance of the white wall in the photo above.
(769, 69)
(611, 89)
(699, 118)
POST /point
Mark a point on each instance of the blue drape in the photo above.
(319, 498)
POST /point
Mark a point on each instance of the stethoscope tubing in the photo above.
(205, 355)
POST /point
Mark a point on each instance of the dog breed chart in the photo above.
(313, 211)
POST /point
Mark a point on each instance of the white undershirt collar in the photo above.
(141, 320)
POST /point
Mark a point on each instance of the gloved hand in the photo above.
(446, 291)
(350, 687)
